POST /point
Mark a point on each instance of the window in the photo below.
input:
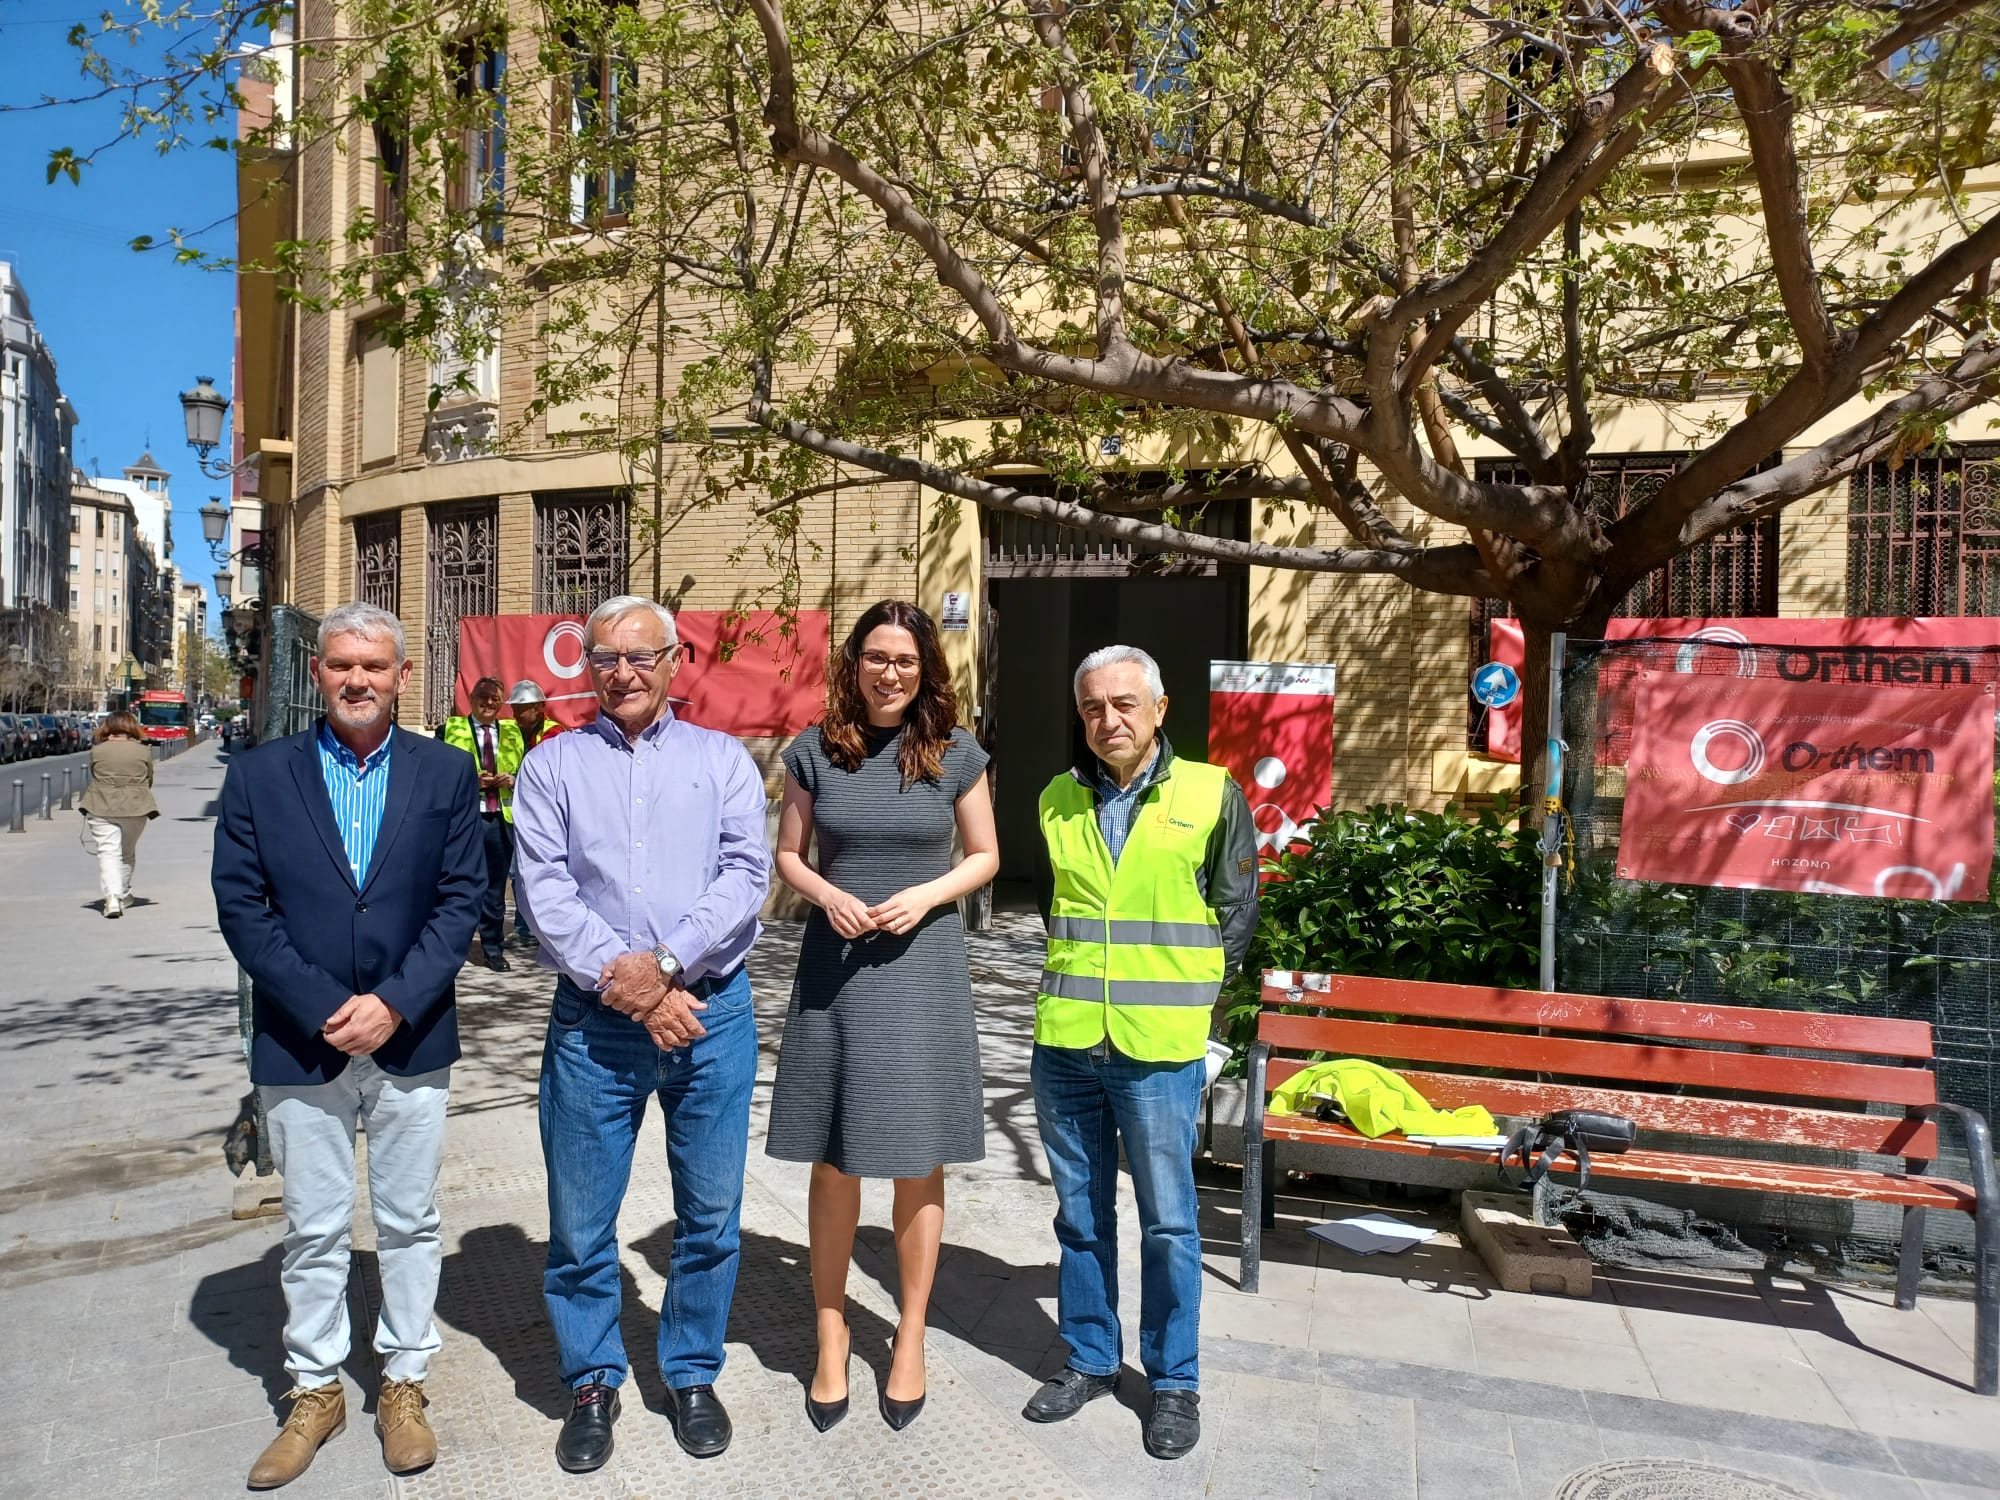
(76, 559)
(97, 638)
(100, 523)
(595, 111)
(392, 151)
(479, 178)
(1924, 538)
(114, 640)
(378, 570)
(580, 551)
(75, 522)
(117, 527)
(72, 600)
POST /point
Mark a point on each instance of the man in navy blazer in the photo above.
(348, 874)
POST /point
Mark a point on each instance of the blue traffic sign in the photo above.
(1496, 684)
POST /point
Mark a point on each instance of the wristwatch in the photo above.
(670, 967)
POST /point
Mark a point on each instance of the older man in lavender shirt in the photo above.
(643, 866)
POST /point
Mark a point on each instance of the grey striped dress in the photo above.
(878, 1071)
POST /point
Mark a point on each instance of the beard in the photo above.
(359, 713)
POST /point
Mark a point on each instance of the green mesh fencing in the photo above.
(1933, 961)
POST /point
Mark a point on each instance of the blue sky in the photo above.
(129, 331)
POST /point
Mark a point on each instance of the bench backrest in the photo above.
(1622, 1056)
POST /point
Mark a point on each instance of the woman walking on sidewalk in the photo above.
(879, 1072)
(117, 804)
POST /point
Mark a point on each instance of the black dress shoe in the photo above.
(497, 962)
(1065, 1394)
(701, 1425)
(824, 1414)
(1174, 1425)
(585, 1441)
(900, 1414)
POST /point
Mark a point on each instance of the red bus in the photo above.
(163, 715)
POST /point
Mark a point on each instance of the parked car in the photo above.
(13, 740)
(57, 736)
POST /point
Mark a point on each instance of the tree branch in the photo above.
(1107, 217)
(1445, 570)
(1972, 379)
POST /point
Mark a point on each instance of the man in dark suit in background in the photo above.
(348, 875)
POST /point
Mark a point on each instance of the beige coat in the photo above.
(121, 780)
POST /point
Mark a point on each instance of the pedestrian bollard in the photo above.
(14, 824)
(48, 807)
(66, 789)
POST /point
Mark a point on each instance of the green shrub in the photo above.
(1398, 894)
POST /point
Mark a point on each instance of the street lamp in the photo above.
(224, 587)
(204, 407)
(215, 523)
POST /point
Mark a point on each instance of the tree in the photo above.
(1301, 249)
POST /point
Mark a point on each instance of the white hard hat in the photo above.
(527, 691)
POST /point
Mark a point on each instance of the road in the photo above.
(29, 773)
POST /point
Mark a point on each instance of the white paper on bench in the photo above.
(1368, 1234)
(1463, 1142)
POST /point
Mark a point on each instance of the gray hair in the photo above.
(1110, 656)
(370, 621)
(618, 607)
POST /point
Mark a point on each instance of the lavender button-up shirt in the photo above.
(625, 844)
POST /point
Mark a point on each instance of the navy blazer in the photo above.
(310, 940)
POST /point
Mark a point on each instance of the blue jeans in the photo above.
(598, 1070)
(1084, 1101)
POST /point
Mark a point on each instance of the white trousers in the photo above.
(115, 842)
(312, 1144)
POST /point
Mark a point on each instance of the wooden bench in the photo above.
(1694, 1070)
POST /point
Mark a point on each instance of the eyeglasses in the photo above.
(877, 661)
(638, 661)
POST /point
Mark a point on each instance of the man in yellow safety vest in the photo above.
(495, 743)
(1149, 890)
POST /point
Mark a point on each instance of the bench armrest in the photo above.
(1978, 1138)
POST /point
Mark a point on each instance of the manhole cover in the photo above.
(1670, 1479)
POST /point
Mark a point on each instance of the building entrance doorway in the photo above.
(1044, 614)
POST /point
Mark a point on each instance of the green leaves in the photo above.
(1389, 892)
(64, 162)
(1700, 46)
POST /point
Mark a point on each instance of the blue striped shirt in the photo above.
(1116, 805)
(359, 791)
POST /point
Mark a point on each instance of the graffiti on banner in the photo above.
(1270, 725)
(744, 674)
(1908, 652)
(1810, 786)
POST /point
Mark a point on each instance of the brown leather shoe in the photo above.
(408, 1444)
(318, 1415)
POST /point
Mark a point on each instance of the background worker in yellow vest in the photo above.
(496, 744)
(528, 705)
(1149, 890)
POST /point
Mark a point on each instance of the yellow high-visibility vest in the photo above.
(1135, 950)
(507, 751)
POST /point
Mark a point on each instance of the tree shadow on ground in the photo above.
(491, 1291)
(242, 1311)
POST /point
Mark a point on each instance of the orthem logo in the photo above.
(1727, 729)
(560, 631)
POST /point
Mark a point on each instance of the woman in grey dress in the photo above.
(878, 1073)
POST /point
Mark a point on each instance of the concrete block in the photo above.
(1522, 1255)
(256, 1197)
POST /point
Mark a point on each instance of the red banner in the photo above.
(1906, 651)
(1270, 725)
(1804, 786)
(744, 676)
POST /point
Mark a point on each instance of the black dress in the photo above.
(878, 1071)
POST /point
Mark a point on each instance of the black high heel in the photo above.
(899, 1414)
(827, 1414)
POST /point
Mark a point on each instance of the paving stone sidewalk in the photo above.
(139, 1351)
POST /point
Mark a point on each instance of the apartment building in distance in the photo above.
(36, 426)
(370, 488)
(103, 548)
